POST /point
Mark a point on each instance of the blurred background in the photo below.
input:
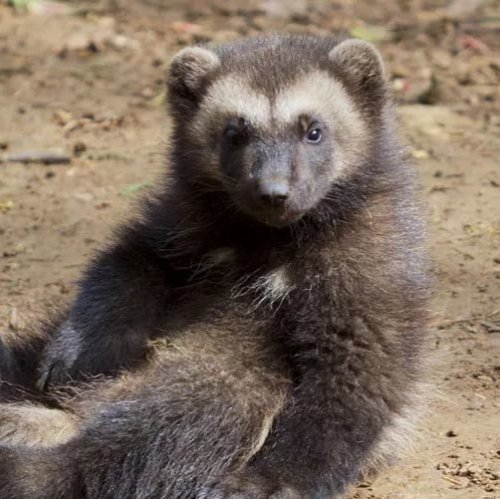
(83, 131)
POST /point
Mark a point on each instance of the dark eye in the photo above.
(314, 136)
(236, 133)
(233, 137)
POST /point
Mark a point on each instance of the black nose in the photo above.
(273, 192)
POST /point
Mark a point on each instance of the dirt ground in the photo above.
(87, 78)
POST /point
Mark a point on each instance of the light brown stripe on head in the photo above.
(231, 96)
(315, 94)
(320, 94)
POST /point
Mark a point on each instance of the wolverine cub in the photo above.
(257, 331)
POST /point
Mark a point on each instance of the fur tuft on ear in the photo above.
(188, 73)
(360, 66)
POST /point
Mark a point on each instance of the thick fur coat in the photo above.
(258, 330)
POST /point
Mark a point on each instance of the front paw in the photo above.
(249, 486)
(56, 371)
(60, 357)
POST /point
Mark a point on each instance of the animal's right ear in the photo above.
(188, 74)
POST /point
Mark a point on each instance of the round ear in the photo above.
(188, 74)
(360, 66)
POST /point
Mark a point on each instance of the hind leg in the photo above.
(168, 432)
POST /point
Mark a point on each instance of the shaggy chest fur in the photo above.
(258, 330)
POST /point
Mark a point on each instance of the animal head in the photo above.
(275, 122)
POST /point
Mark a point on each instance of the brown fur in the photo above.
(230, 343)
(35, 426)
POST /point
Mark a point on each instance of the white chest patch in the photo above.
(271, 289)
(276, 284)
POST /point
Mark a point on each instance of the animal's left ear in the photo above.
(360, 67)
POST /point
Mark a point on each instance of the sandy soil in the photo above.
(90, 82)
